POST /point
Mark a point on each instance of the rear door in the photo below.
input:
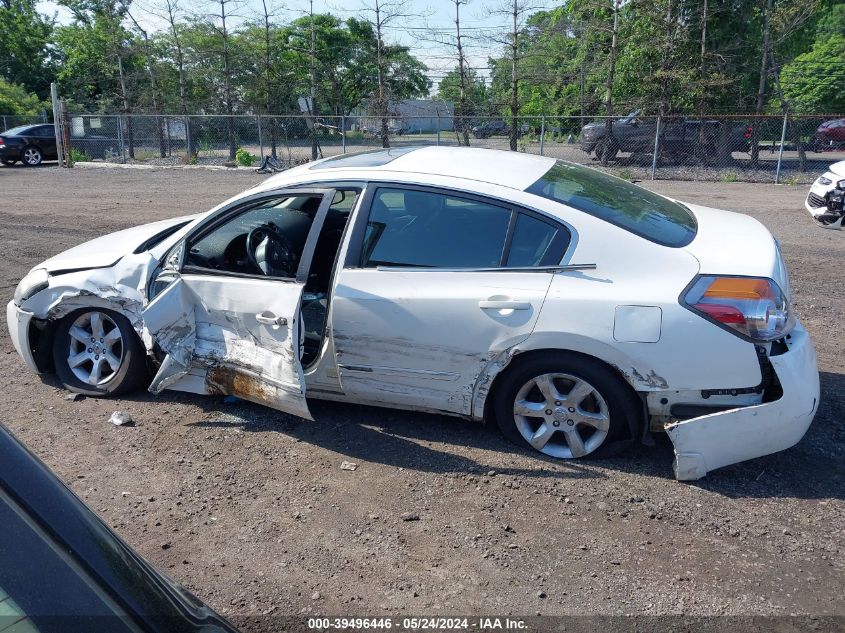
(436, 284)
(45, 137)
(228, 317)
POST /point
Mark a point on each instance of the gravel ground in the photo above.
(250, 509)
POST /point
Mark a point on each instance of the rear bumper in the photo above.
(10, 152)
(18, 322)
(705, 443)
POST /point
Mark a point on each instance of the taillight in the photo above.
(2, 142)
(754, 307)
(748, 131)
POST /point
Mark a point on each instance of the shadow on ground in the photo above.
(814, 469)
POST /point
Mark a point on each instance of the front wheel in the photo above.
(32, 156)
(566, 406)
(97, 353)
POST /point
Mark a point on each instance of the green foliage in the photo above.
(475, 93)
(244, 158)
(730, 176)
(813, 82)
(15, 99)
(25, 51)
(76, 156)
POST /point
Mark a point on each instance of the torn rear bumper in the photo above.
(18, 321)
(708, 442)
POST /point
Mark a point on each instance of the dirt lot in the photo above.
(249, 508)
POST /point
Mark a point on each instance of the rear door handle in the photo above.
(268, 318)
(503, 304)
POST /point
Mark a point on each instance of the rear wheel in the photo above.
(32, 156)
(566, 406)
(97, 353)
(606, 150)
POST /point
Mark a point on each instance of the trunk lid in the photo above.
(730, 243)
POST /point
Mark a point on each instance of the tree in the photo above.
(515, 11)
(475, 90)
(25, 51)
(394, 65)
(14, 99)
(810, 82)
(99, 60)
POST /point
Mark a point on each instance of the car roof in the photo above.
(510, 169)
(13, 131)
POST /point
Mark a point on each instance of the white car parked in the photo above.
(575, 309)
(826, 200)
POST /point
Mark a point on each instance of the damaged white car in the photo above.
(826, 200)
(575, 309)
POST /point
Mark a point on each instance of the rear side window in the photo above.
(433, 230)
(536, 243)
(619, 202)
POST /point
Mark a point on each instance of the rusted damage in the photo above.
(651, 380)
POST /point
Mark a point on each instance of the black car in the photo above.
(63, 570)
(680, 136)
(490, 128)
(30, 144)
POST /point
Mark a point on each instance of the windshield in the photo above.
(617, 201)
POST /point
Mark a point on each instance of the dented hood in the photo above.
(109, 249)
(734, 244)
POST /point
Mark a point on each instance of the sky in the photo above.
(436, 21)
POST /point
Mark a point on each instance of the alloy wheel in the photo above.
(31, 156)
(96, 347)
(561, 415)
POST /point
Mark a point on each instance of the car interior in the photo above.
(268, 239)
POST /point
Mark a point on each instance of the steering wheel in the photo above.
(271, 252)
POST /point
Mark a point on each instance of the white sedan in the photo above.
(575, 309)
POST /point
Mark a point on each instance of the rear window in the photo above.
(619, 202)
(21, 129)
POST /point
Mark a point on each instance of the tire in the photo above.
(31, 156)
(605, 419)
(125, 372)
(8, 162)
(606, 150)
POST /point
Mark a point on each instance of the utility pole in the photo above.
(761, 85)
(462, 109)
(514, 133)
(609, 141)
(313, 77)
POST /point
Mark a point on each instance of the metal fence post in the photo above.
(656, 144)
(5, 126)
(260, 138)
(57, 124)
(120, 138)
(343, 133)
(780, 152)
(542, 133)
(188, 138)
(438, 129)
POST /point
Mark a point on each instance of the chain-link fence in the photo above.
(10, 121)
(719, 148)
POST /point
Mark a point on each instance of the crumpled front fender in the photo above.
(708, 442)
